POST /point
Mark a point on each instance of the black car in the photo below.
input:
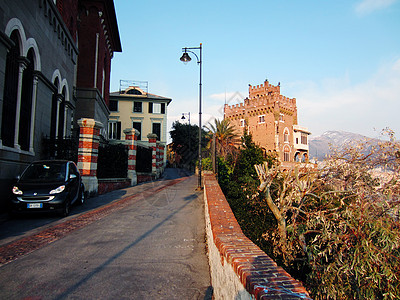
(49, 185)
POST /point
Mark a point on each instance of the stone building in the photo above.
(55, 58)
(271, 119)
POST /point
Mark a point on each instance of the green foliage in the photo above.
(244, 175)
(226, 138)
(206, 164)
(185, 142)
(239, 181)
(342, 223)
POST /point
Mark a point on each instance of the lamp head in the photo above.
(185, 58)
(183, 117)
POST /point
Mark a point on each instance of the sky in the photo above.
(340, 59)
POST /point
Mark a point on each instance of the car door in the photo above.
(74, 182)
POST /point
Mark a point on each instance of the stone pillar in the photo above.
(131, 135)
(153, 145)
(33, 109)
(89, 138)
(22, 67)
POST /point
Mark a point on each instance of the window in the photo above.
(138, 126)
(72, 170)
(281, 117)
(114, 130)
(10, 93)
(242, 123)
(113, 105)
(133, 92)
(137, 106)
(156, 108)
(26, 104)
(286, 154)
(157, 130)
(304, 138)
(286, 135)
(261, 119)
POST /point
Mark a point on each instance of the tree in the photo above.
(226, 139)
(339, 224)
(185, 142)
(239, 182)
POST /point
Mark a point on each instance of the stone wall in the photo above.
(239, 268)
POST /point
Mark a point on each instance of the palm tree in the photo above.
(226, 138)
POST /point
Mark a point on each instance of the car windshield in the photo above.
(45, 172)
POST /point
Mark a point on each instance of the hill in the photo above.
(320, 145)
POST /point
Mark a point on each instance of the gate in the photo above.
(143, 159)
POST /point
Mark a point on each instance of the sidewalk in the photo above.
(152, 248)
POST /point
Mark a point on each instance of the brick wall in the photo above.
(109, 185)
(240, 269)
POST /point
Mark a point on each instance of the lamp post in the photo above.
(186, 58)
(190, 138)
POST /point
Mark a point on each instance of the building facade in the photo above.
(55, 60)
(271, 119)
(135, 108)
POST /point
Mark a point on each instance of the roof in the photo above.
(135, 93)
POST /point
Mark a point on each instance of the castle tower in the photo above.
(271, 119)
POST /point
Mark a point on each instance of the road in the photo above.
(143, 242)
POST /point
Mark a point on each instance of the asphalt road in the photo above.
(143, 242)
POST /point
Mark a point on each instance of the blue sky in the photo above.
(340, 59)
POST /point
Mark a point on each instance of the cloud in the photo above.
(368, 6)
(336, 104)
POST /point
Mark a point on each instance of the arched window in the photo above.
(286, 154)
(297, 157)
(54, 110)
(286, 135)
(10, 93)
(26, 103)
(61, 115)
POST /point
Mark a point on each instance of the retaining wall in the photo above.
(239, 268)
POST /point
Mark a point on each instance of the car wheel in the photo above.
(81, 198)
(66, 209)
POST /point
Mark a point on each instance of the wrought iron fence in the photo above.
(143, 159)
(112, 161)
(65, 148)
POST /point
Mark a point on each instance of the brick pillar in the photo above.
(89, 137)
(158, 159)
(153, 144)
(162, 157)
(131, 135)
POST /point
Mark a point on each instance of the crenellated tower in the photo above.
(271, 119)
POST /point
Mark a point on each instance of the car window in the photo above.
(72, 170)
(45, 172)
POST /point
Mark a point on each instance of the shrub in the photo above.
(339, 225)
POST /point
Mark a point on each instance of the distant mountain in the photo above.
(320, 145)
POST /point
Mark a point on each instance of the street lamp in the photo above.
(183, 118)
(189, 136)
(185, 59)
